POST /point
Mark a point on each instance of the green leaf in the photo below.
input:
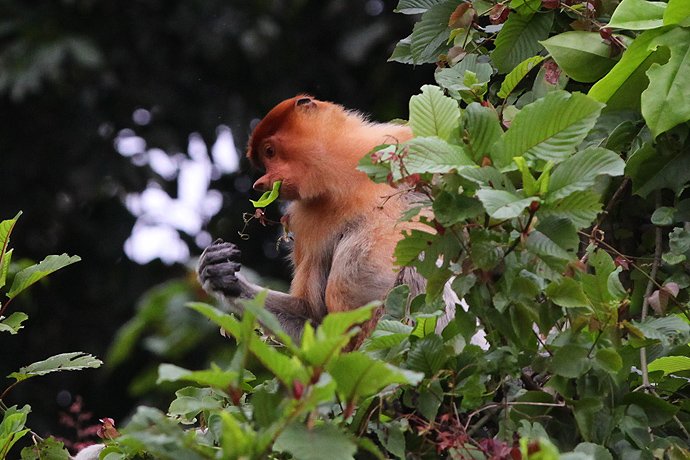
(434, 155)
(396, 301)
(427, 355)
(483, 129)
(500, 204)
(268, 197)
(571, 361)
(582, 55)
(580, 207)
(670, 364)
(547, 250)
(622, 86)
(430, 35)
(433, 114)
(409, 248)
(580, 171)
(12, 428)
(594, 451)
(519, 39)
(567, 293)
(651, 169)
(403, 52)
(656, 409)
(638, 15)
(551, 127)
(13, 323)
(465, 80)
(30, 275)
(609, 360)
(63, 362)
(517, 74)
(358, 375)
(677, 12)
(285, 368)
(415, 6)
(318, 443)
(663, 216)
(666, 101)
(214, 377)
(6, 227)
(450, 208)
(46, 449)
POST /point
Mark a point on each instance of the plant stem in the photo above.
(648, 292)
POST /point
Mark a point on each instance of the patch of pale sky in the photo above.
(161, 217)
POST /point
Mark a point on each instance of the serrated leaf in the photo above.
(580, 207)
(430, 35)
(519, 39)
(551, 127)
(13, 323)
(670, 364)
(402, 52)
(582, 55)
(268, 197)
(666, 101)
(581, 170)
(427, 355)
(409, 248)
(433, 114)
(46, 449)
(12, 427)
(466, 79)
(651, 171)
(483, 129)
(501, 204)
(517, 74)
(434, 155)
(317, 443)
(30, 275)
(638, 15)
(63, 362)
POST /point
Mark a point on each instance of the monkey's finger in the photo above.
(218, 255)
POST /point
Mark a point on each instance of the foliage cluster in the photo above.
(575, 337)
(13, 420)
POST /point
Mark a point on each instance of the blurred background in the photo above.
(123, 128)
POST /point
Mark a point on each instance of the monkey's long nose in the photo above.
(263, 184)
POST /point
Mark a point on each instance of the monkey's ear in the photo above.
(305, 102)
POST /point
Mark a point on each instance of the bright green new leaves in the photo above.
(12, 428)
(433, 114)
(517, 74)
(638, 15)
(666, 101)
(6, 227)
(30, 275)
(677, 12)
(582, 55)
(62, 362)
(214, 377)
(551, 127)
(268, 197)
(519, 39)
(670, 364)
(466, 80)
(655, 66)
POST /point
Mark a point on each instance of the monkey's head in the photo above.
(306, 144)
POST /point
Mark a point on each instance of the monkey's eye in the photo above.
(269, 152)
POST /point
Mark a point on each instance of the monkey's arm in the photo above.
(218, 274)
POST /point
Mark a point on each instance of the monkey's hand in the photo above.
(217, 270)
